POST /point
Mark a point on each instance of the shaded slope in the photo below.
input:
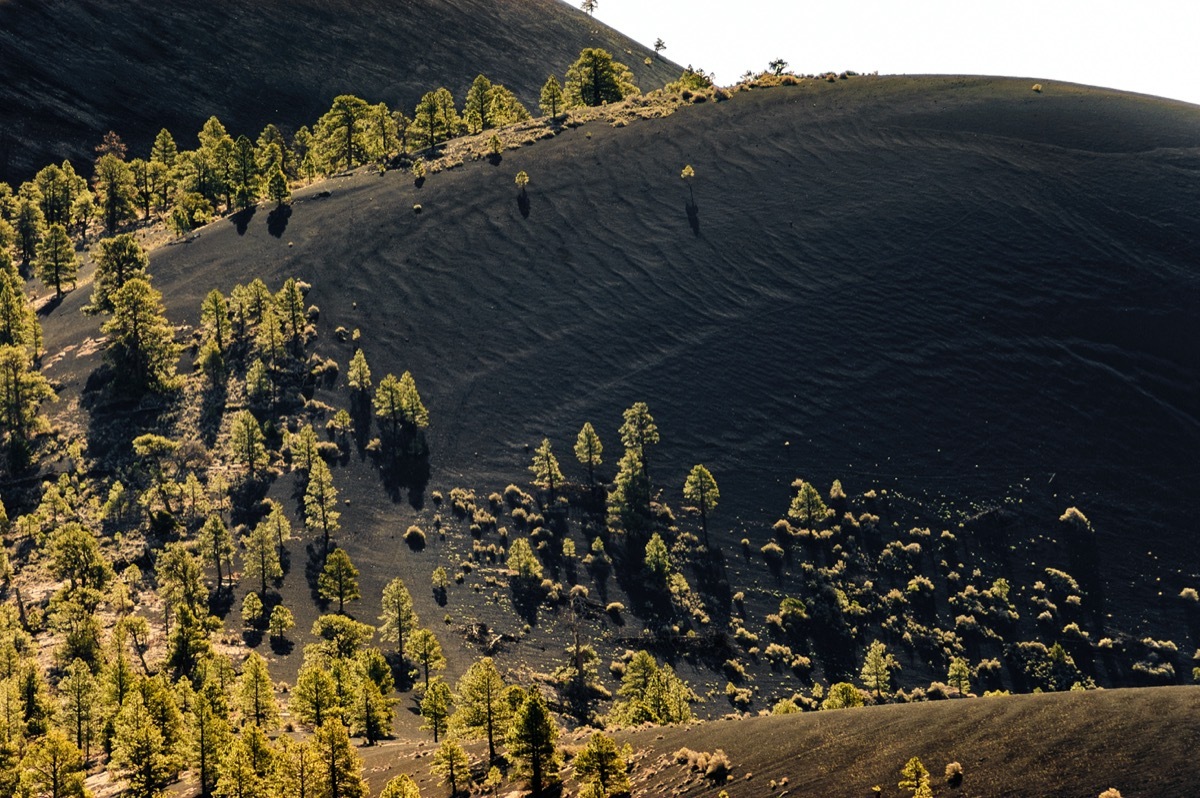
(876, 292)
(1070, 745)
(74, 69)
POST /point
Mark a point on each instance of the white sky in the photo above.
(1150, 46)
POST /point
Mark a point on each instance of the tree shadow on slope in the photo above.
(277, 220)
(403, 464)
(693, 216)
(241, 219)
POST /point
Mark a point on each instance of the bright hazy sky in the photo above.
(1149, 46)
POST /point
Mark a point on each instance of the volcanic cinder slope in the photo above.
(957, 289)
(73, 69)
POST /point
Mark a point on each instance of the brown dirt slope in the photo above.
(956, 288)
(73, 69)
(1069, 745)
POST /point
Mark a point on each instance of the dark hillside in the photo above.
(1070, 745)
(956, 289)
(74, 69)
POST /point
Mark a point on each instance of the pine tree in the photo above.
(340, 135)
(425, 650)
(217, 545)
(371, 712)
(115, 187)
(551, 101)
(320, 502)
(960, 675)
(261, 558)
(807, 506)
(701, 490)
(248, 767)
(435, 707)
(914, 776)
(657, 558)
(302, 446)
(22, 391)
(256, 693)
(246, 444)
(600, 762)
(30, 224)
(148, 759)
(164, 150)
(314, 699)
(79, 706)
(290, 302)
(18, 323)
(245, 175)
(401, 786)
(298, 769)
(483, 710)
(53, 767)
(596, 79)
(208, 725)
(638, 432)
(398, 618)
(339, 579)
(280, 622)
(451, 763)
(359, 373)
(341, 775)
(399, 406)
(531, 741)
(477, 104)
(629, 501)
(56, 261)
(141, 343)
(588, 450)
(546, 473)
(877, 669)
(214, 319)
(523, 563)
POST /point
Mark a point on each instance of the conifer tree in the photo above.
(217, 544)
(146, 757)
(164, 149)
(214, 319)
(588, 450)
(371, 712)
(290, 302)
(483, 710)
(208, 725)
(425, 650)
(320, 502)
(435, 707)
(261, 558)
(600, 762)
(877, 669)
(960, 675)
(915, 777)
(116, 190)
(596, 79)
(531, 741)
(246, 444)
(256, 693)
(341, 775)
(477, 104)
(30, 224)
(807, 506)
(546, 473)
(398, 618)
(340, 134)
(339, 579)
(314, 698)
(245, 175)
(280, 622)
(53, 767)
(451, 763)
(359, 373)
(248, 767)
(18, 323)
(298, 769)
(56, 261)
(118, 260)
(79, 706)
(22, 390)
(701, 490)
(302, 447)
(141, 343)
(401, 786)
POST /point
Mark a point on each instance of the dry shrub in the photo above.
(415, 537)
(954, 774)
